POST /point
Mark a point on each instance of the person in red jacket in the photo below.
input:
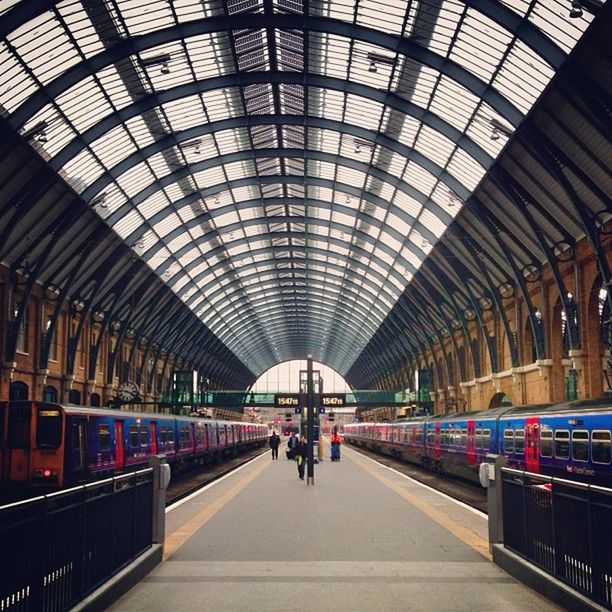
(335, 445)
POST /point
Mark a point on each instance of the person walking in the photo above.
(274, 444)
(335, 445)
(291, 445)
(300, 455)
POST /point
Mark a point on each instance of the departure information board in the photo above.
(286, 400)
(333, 400)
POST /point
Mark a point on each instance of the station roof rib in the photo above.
(284, 166)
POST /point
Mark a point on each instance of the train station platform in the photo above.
(364, 537)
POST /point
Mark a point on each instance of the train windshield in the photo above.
(48, 428)
(18, 432)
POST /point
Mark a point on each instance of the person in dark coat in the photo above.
(274, 444)
(291, 446)
(300, 455)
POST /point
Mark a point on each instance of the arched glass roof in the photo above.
(285, 166)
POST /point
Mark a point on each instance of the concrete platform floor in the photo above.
(363, 538)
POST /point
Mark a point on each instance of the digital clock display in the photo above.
(287, 401)
(336, 400)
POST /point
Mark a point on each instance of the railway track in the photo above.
(185, 484)
(465, 492)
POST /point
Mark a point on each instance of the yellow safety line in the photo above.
(472, 539)
(183, 533)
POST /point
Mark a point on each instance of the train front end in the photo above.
(33, 453)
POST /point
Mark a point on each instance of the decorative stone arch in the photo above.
(18, 391)
(500, 399)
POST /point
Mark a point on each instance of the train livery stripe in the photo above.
(469, 537)
(181, 535)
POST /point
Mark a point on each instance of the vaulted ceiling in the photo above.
(259, 180)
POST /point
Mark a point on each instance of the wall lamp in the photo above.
(22, 272)
(52, 292)
(78, 305)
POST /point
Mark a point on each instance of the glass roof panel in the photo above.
(383, 203)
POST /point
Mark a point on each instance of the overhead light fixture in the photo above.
(99, 200)
(157, 60)
(377, 59)
(37, 132)
(499, 129)
(165, 69)
(576, 10)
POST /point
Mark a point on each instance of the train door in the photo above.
(79, 446)
(153, 436)
(532, 449)
(471, 442)
(437, 436)
(18, 441)
(192, 441)
(119, 446)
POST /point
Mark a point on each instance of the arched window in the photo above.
(500, 399)
(18, 391)
(74, 397)
(49, 394)
(94, 400)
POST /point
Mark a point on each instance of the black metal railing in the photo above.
(563, 527)
(58, 548)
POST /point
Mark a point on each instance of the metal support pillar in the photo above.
(310, 404)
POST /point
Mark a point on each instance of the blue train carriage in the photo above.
(457, 444)
(571, 440)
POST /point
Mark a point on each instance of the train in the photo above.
(51, 445)
(571, 440)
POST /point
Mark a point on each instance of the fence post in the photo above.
(490, 477)
(161, 480)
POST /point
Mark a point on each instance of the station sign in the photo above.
(286, 400)
(333, 400)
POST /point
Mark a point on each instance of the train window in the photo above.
(562, 444)
(509, 441)
(133, 436)
(486, 439)
(182, 436)
(104, 440)
(479, 438)
(546, 445)
(18, 432)
(580, 445)
(519, 441)
(144, 437)
(464, 437)
(48, 428)
(601, 447)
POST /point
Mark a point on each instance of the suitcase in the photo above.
(335, 452)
